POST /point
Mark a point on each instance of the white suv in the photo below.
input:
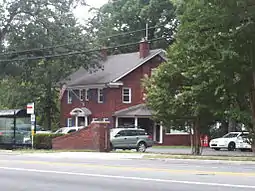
(228, 141)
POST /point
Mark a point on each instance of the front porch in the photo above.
(80, 116)
(139, 116)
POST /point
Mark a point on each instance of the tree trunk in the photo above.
(197, 145)
(231, 125)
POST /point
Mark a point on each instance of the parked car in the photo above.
(228, 141)
(130, 138)
(243, 143)
(66, 130)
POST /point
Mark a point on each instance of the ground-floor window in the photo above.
(69, 122)
(126, 122)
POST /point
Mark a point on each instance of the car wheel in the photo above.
(141, 147)
(231, 146)
(216, 149)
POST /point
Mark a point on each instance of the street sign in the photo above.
(30, 108)
(32, 118)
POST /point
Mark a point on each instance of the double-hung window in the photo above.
(100, 95)
(69, 97)
(84, 95)
(69, 122)
(126, 95)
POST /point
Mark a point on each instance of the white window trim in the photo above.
(104, 119)
(69, 97)
(86, 95)
(68, 122)
(153, 70)
(98, 95)
(85, 91)
(130, 95)
(80, 94)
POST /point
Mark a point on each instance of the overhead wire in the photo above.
(76, 52)
(75, 43)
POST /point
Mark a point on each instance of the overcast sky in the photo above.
(82, 13)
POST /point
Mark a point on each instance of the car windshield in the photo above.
(230, 135)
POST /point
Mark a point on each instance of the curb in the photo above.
(203, 160)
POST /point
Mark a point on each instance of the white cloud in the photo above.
(82, 13)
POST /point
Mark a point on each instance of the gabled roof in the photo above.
(137, 110)
(113, 69)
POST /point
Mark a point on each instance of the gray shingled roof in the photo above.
(137, 110)
(114, 67)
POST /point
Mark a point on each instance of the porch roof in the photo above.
(81, 111)
(134, 111)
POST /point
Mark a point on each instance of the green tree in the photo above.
(130, 15)
(28, 28)
(214, 50)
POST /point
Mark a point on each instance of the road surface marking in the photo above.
(132, 168)
(129, 178)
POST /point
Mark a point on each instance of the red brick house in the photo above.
(114, 93)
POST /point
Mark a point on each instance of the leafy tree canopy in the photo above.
(210, 71)
(120, 16)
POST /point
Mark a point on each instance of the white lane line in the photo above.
(129, 178)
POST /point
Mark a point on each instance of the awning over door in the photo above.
(81, 112)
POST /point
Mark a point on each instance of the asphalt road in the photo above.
(56, 172)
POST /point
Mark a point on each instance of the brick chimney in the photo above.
(104, 53)
(144, 48)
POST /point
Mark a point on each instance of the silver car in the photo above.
(130, 138)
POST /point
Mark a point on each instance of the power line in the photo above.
(76, 52)
(76, 43)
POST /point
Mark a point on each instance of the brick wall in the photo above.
(177, 140)
(113, 96)
(95, 137)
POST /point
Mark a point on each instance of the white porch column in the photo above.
(161, 134)
(86, 121)
(116, 122)
(76, 121)
(154, 131)
(136, 122)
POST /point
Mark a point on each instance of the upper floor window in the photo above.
(84, 95)
(126, 95)
(100, 95)
(69, 97)
(153, 70)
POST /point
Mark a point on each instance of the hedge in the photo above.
(44, 141)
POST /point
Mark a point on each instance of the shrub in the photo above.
(44, 141)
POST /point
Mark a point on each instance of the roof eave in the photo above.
(143, 62)
(87, 86)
